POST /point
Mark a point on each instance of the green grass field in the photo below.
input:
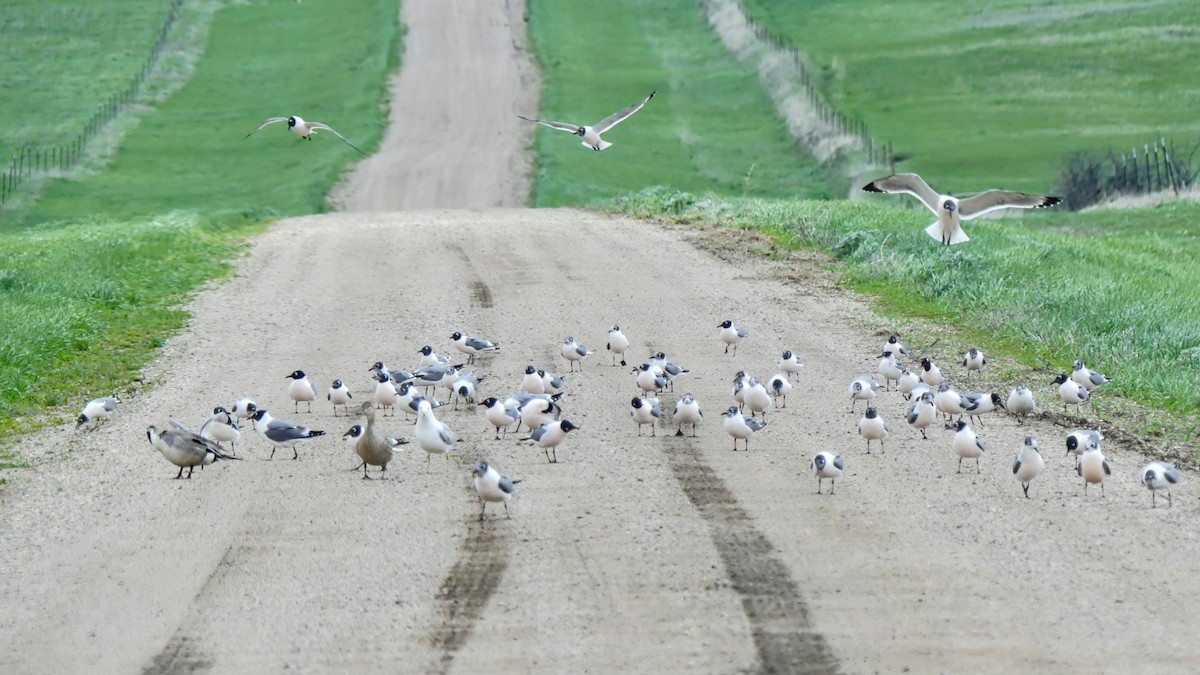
(59, 59)
(995, 93)
(1114, 288)
(711, 127)
(86, 305)
(324, 61)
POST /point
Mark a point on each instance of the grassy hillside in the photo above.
(987, 93)
(324, 61)
(59, 59)
(1113, 288)
(711, 127)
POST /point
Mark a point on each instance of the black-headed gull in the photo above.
(1159, 476)
(827, 465)
(97, 409)
(303, 129)
(492, 486)
(1028, 464)
(1092, 467)
(591, 134)
(950, 211)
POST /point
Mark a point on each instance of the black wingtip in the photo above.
(870, 187)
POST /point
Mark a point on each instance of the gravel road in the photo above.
(632, 554)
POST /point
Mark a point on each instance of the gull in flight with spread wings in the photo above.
(591, 135)
(303, 129)
(950, 211)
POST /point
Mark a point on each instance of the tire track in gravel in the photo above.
(783, 633)
(468, 587)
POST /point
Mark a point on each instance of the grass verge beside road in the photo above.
(710, 128)
(86, 305)
(1114, 288)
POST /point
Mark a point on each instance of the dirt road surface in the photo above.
(632, 554)
(454, 138)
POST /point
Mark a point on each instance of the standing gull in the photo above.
(1020, 402)
(967, 445)
(687, 411)
(645, 411)
(740, 427)
(591, 134)
(301, 390)
(1092, 467)
(791, 363)
(433, 436)
(1028, 464)
(1086, 377)
(1159, 476)
(499, 415)
(282, 433)
(731, 335)
(97, 409)
(574, 353)
(548, 437)
(473, 346)
(339, 394)
(950, 211)
(492, 487)
(617, 344)
(872, 428)
(827, 465)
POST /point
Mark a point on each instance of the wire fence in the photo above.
(1089, 178)
(878, 153)
(31, 160)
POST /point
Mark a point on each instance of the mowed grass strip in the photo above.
(977, 94)
(86, 305)
(60, 59)
(324, 61)
(1116, 288)
(710, 128)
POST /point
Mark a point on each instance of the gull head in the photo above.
(580, 132)
(291, 121)
(481, 468)
(950, 205)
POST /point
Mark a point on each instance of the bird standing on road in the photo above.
(617, 344)
(872, 428)
(973, 360)
(1021, 403)
(731, 335)
(1092, 466)
(473, 346)
(574, 353)
(433, 436)
(371, 445)
(827, 465)
(950, 211)
(780, 386)
(791, 363)
(739, 427)
(922, 413)
(930, 373)
(863, 389)
(645, 411)
(184, 449)
(222, 427)
(1159, 476)
(967, 445)
(491, 486)
(548, 437)
(282, 433)
(339, 394)
(499, 415)
(1028, 464)
(687, 411)
(1071, 392)
(890, 370)
(894, 347)
(591, 134)
(301, 390)
(303, 129)
(97, 409)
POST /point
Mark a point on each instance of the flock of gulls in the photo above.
(536, 402)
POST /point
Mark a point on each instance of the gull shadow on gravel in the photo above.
(468, 587)
(784, 637)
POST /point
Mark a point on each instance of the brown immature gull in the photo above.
(950, 211)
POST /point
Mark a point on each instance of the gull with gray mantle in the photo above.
(687, 411)
(950, 211)
(1028, 464)
(473, 346)
(740, 427)
(433, 436)
(97, 409)
(492, 486)
(282, 433)
(1159, 476)
(591, 134)
(184, 449)
(827, 465)
(303, 129)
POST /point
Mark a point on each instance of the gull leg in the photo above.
(1025, 487)
(295, 453)
(506, 514)
(556, 455)
(831, 484)
(818, 485)
(365, 476)
(960, 464)
(547, 451)
(180, 474)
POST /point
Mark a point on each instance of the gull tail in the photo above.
(604, 145)
(956, 237)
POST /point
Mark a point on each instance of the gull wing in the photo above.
(973, 207)
(326, 127)
(561, 126)
(270, 120)
(620, 116)
(908, 183)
